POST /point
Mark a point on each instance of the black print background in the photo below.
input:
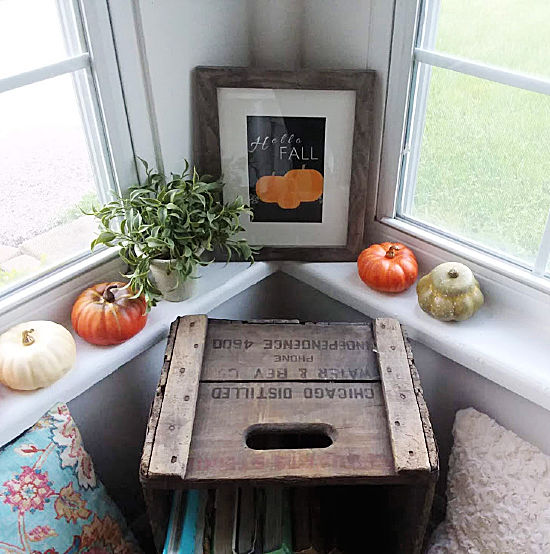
(311, 132)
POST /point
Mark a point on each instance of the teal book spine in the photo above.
(189, 528)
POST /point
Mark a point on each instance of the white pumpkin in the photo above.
(35, 354)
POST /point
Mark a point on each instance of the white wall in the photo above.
(336, 33)
(179, 35)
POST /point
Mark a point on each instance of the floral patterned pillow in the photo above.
(50, 499)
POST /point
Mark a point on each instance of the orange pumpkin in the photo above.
(107, 314)
(309, 183)
(388, 267)
(298, 185)
(268, 187)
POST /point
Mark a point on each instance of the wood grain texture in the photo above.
(206, 81)
(157, 501)
(423, 495)
(353, 413)
(156, 406)
(289, 352)
(175, 424)
(403, 418)
(431, 443)
(358, 415)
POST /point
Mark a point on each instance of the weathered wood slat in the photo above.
(177, 415)
(353, 413)
(431, 444)
(157, 402)
(404, 422)
(158, 503)
(286, 351)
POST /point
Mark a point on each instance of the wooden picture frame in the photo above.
(208, 156)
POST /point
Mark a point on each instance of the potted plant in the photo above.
(164, 227)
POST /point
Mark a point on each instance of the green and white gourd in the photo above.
(450, 292)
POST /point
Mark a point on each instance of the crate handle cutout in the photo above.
(289, 436)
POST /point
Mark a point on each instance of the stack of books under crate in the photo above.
(271, 520)
(284, 437)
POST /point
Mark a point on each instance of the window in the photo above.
(64, 138)
(475, 160)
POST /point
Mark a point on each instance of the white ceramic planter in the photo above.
(170, 284)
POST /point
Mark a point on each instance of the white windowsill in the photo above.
(219, 282)
(505, 342)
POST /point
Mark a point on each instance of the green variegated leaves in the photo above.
(175, 220)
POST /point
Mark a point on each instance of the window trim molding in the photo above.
(106, 77)
(401, 51)
(24, 301)
(129, 39)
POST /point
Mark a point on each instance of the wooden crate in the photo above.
(291, 403)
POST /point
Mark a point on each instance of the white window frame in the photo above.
(402, 49)
(105, 107)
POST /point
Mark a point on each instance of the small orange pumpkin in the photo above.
(107, 314)
(388, 267)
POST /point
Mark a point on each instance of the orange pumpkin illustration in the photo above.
(298, 185)
(288, 198)
(309, 183)
(268, 188)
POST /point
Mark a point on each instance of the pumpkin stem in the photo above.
(26, 337)
(452, 273)
(108, 295)
(391, 251)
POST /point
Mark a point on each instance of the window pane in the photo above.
(484, 169)
(30, 35)
(45, 178)
(510, 33)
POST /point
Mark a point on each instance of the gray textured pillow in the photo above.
(498, 492)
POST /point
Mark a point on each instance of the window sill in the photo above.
(218, 283)
(508, 340)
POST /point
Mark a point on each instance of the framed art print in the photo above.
(295, 147)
